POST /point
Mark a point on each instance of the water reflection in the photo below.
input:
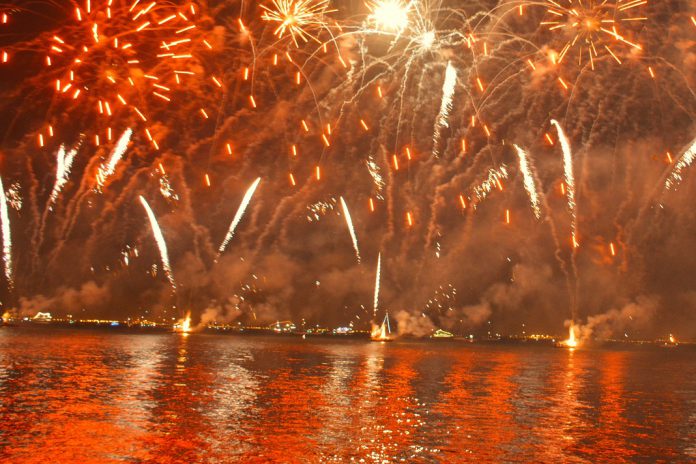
(96, 397)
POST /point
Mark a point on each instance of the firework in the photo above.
(64, 161)
(238, 215)
(351, 229)
(6, 237)
(685, 160)
(161, 244)
(375, 303)
(572, 341)
(447, 95)
(569, 179)
(374, 170)
(389, 15)
(112, 60)
(592, 26)
(298, 17)
(106, 170)
(493, 180)
(527, 167)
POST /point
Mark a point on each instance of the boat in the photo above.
(382, 332)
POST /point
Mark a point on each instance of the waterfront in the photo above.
(90, 396)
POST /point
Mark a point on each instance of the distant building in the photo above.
(283, 327)
(439, 333)
(42, 317)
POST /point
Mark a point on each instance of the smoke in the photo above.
(635, 315)
(90, 296)
(413, 325)
(223, 313)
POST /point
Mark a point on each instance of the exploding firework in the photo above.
(300, 18)
(161, 243)
(389, 15)
(116, 60)
(238, 215)
(593, 26)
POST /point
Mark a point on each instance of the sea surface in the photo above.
(94, 397)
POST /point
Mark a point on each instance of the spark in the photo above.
(351, 229)
(238, 215)
(159, 239)
(527, 167)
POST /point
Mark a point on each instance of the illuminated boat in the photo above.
(382, 333)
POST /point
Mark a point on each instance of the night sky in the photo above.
(92, 251)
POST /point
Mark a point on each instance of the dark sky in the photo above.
(453, 268)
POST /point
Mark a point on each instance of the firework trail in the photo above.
(6, 236)
(377, 276)
(569, 178)
(161, 244)
(106, 170)
(373, 169)
(493, 180)
(529, 182)
(685, 160)
(64, 161)
(447, 95)
(238, 215)
(351, 229)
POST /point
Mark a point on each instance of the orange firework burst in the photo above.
(298, 17)
(117, 57)
(595, 26)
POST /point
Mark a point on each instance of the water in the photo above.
(82, 396)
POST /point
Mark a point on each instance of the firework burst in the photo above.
(115, 61)
(300, 18)
(595, 26)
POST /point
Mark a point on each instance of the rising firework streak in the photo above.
(447, 94)
(529, 183)
(64, 161)
(161, 244)
(685, 160)
(351, 229)
(377, 277)
(569, 177)
(6, 237)
(106, 170)
(238, 216)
